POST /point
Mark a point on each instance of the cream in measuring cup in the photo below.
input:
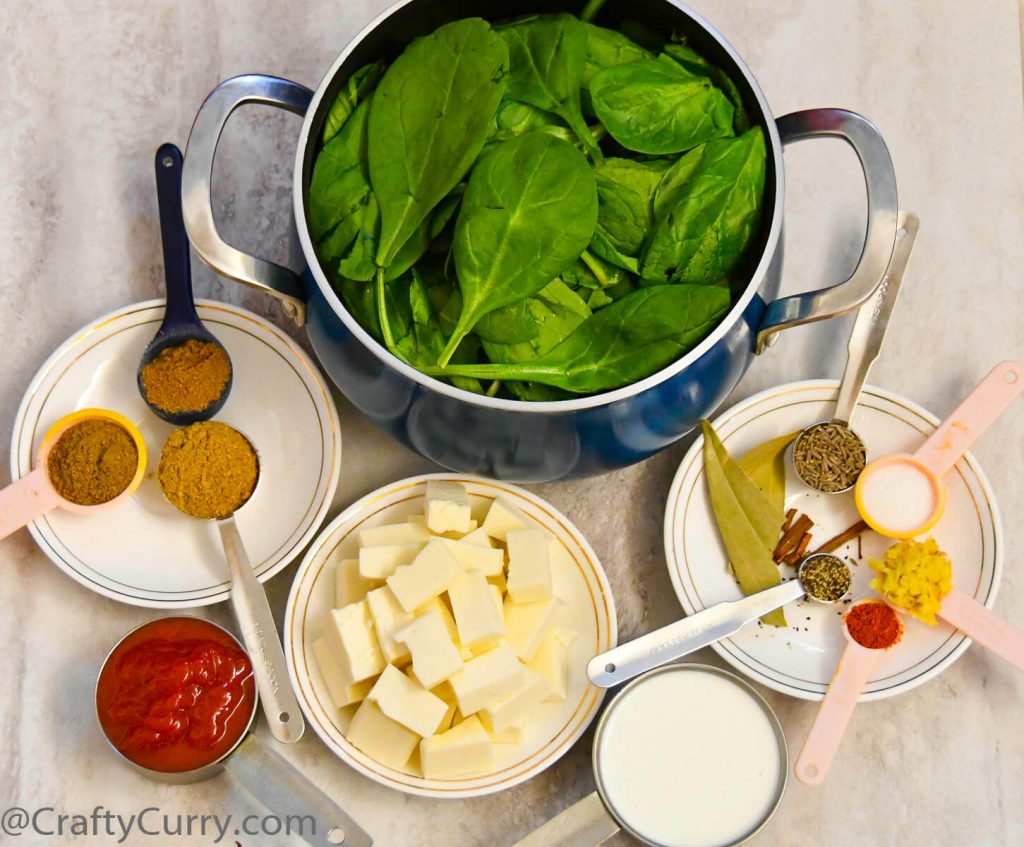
(685, 756)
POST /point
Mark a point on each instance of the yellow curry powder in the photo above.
(914, 575)
(92, 462)
(187, 377)
(208, 470)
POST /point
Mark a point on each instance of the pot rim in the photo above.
(578, 404)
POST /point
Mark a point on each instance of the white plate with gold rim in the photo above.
(579, 580)
(800, 659)
(145, 552)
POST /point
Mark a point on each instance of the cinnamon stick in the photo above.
(844, 537)
(791, 537)
(789, 520)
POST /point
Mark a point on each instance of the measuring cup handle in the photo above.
(982, 407)
(852, 674)
(584, 824)
(259, 634)
(970, 617)
(24, 500)
(289, 793)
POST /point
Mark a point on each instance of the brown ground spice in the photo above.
(208, 470)
(92, 462)
(187, 377)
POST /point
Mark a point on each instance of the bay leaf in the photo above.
(766, 466)
(744, 517)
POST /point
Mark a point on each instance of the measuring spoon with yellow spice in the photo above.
(185, 373)
(89, 460)
(209, 471)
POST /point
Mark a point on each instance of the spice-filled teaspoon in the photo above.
(822, 577)
(209, 471)
(185, 372)
(871, 627)
(829, 455)
(901, 496)
(89, 460)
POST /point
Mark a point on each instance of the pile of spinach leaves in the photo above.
(540, 208)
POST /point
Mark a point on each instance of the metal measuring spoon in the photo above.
(696, 631)
(865, 344)
(259, 633)
(181, 323)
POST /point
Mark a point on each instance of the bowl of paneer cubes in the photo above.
(438, 632)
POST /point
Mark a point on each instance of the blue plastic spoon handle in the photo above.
(181, 308)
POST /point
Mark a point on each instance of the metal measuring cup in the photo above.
(262, 772)
(594, 819)
(865, 344)
(32, 496)
(698, 630)
(259, 630)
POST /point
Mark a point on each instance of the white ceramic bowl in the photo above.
(579, 580)
(801, 659)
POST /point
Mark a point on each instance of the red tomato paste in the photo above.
(176, 694)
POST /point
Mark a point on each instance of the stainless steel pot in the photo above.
(510, 439)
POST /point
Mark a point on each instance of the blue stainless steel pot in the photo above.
(511, 439)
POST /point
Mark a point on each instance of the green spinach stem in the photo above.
(591, 10)
(382, 311)
(595, 268)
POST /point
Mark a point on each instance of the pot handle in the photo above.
(880, 179)
(197, 176)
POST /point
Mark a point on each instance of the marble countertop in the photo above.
(91, 89)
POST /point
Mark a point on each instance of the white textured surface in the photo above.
(92, 88)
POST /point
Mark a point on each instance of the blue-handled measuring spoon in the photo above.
(181, 323)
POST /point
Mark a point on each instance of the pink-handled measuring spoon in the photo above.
(848, 683)
(973, 619)
(902, 496)
(33, 495)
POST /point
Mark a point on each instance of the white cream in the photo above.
(689, 759)
(897, 496)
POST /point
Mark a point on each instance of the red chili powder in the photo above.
(874, 625)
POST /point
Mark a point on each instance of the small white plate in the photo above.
(800, 659)
(579, 580)
(145, 552)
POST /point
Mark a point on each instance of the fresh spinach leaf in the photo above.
(593, 272)
(706, 211)
(624, 342)
(340, 181)
(547, 56)
(692, 61)
(603, 248)
(656, 107)
(624, 191)
(529, 210)
(355, 90)
(607, 48)
(532, 326)
(430, 117)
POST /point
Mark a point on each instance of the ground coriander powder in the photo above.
(208, 470)
(92, 462)
(187, 377)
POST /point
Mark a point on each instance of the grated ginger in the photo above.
(914, 575)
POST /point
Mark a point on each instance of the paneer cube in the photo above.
(380, 737)
(529, 567)
(464, 749)
(486, 679)
(503, 517)
(515, 708)
(350, 585)
(526, 623)
(351, 634)
(478, 537)
(389, 617)
(551, 661)
(406, 701)
(435, 657)
(474, 557)
(512, 735)
(343, 692)
(396, 533)
(476, 615)
(447, 507)
(380, 562)
(430, 573)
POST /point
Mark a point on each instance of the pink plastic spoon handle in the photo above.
(973, 619)
(24, 500)
(852, 674)
(980, 410)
